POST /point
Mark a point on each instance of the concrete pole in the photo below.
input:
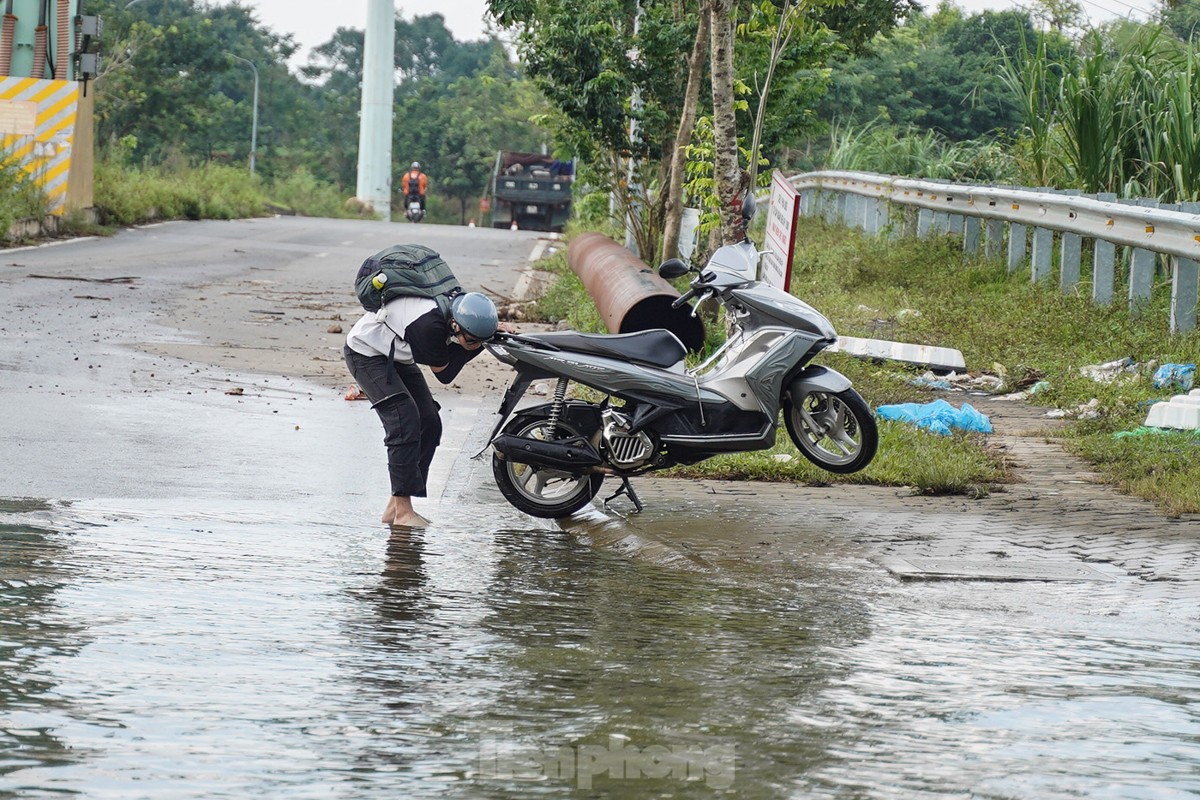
(254, 117)
(375, 122)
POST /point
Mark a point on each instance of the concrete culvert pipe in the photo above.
(628, 293)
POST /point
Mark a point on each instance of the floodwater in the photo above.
(158, 649)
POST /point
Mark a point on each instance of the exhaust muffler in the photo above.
(571, 455)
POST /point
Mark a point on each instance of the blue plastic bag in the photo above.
(1175, 375)
(938, 416)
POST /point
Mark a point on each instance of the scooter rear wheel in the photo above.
(834, 430)
(541, 491)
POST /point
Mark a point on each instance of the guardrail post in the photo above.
(1016, 245)
(954, 224)
(1069, 258)
(871, 217)
(829, 204)
(941, 223)
(1185, 286)
(1043, 250)
(1104, 265)
(1141, 277)
(1184, 279)
(925, 219)
(1142, 266)
(993, 245)
(971, 235)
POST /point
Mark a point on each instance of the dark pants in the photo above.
(412, 429)
(412, 197)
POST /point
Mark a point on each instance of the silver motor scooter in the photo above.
(549, 460)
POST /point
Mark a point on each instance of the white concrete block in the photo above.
(942, 359)
(1182, 411)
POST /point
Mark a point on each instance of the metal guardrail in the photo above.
(1006, 221)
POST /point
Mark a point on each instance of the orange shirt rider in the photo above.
(415, 182)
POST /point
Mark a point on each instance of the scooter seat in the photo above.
(657, 347)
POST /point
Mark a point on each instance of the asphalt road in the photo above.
(116, 353)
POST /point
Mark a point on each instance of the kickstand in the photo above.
(627, 490)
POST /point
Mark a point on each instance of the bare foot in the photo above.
(400, 511)
(411, 520)
(389, 513)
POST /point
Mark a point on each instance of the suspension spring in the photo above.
(556, 407)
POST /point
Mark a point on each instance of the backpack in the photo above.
(414, 184)
(406, 270)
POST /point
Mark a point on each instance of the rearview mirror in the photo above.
(749, 206)
(673, 268)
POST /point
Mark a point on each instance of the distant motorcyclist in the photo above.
(415, 184)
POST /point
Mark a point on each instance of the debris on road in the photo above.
(1175, 376)
(938, 416)
(1110, 370)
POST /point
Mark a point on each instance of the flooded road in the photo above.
(197, 602)
(163, 649)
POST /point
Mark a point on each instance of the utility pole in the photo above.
(254, 113)
(632, 187)
(375, 121)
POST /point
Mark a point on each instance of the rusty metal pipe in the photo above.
(628, 294)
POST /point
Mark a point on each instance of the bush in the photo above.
(128, 195)
(301, 193)
(20, 196)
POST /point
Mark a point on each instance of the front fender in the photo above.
(817, 378)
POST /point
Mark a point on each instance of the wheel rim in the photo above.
(545, 486)
(828, 427)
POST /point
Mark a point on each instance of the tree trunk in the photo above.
(687, 123)
(726, 173)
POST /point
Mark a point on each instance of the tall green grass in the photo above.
(1119, 117)
(918, 154)
(127, 195)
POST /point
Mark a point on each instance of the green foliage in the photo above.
(126, 195)
(700, 186)
(1119, 117)
(920, 154)
(1162, 467)
(455, 130)
(301, 193)
(174, 90)
(907, 456)
(924, 291)
(20, 195)
(567, 300)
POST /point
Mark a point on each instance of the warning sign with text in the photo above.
(780, 241)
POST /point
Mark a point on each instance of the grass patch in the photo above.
(908, 456)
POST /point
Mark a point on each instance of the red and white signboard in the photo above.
(780, 241)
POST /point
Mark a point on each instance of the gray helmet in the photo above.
(416, 165)
(475, 314)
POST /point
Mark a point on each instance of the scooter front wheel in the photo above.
(834, 430)
(541, 491)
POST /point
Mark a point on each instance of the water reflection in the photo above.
(621, 654)
(31, 632)
(235, 652)
(400, 596)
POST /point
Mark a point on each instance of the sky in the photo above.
(313, 22)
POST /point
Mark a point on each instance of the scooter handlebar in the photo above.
(683, 298)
